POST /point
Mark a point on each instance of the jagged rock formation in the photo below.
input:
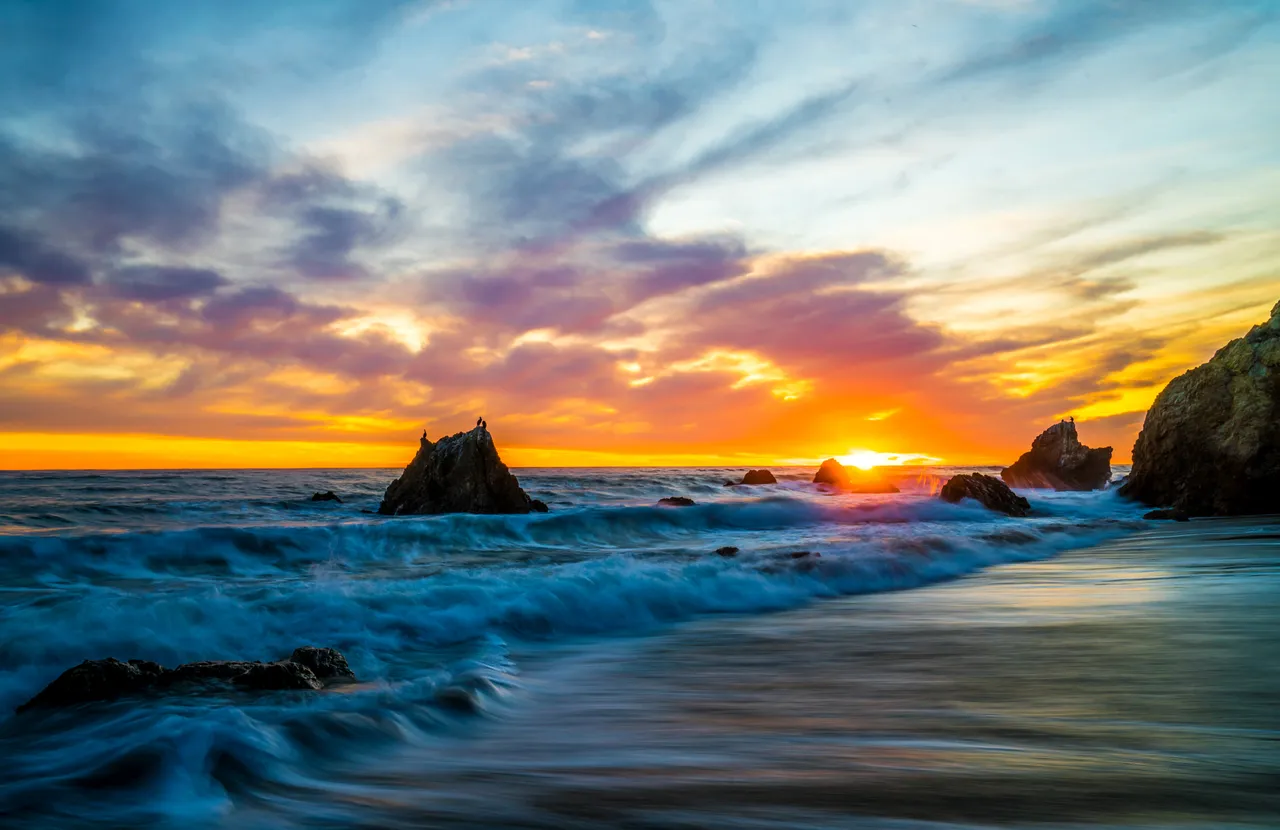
(991, 492)
(327, 495)
(677, 501)
(833, 474)
(1210, 445)
(755, 477)
(458, 474)
(1058, 461)
(93, 680)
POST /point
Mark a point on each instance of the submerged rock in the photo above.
(1210, 445)
(1058, 461)
(325, 663)
(833, 474)
(97, 680)
(458, 474)
(754, 477)
(677, 501)
(327, 495)
(727, 550)
(278, 677)
(991, 492)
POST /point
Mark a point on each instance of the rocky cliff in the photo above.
(1058, 461)
(458, 474)
(1210, 445)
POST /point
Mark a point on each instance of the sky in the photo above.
(246, 234)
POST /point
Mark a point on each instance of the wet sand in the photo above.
(1135, 684)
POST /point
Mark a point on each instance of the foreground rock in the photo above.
(991, 492)
(1210, 445)
(677, 501)
(327, 495)
(458, 474)
(754, 477)
(1058, 461)
(833, 474)
(93, 680)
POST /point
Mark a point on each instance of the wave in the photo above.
(385, 590)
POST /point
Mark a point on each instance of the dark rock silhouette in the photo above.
(1058, 461)
(98, 680)
(727, 550)
(754, 477)
(1210, 445)
(833, 474)
(325, 663)
(327, 495)
(285, 674)
(458, 474)
(677, 501)
(989, 491)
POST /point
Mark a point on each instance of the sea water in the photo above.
(514, 670)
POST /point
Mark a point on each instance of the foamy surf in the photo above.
(427, 609)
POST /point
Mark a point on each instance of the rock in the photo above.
(677, 501)
(727, 550)
(1058, 461)
(1167, 515)
(325, 663)
(991, 492)
(833, 474)
(207, 670)
(1210, 445)
(327, 495)
(97, 680)
(754, 477)
(538, 506)
(458, 474)
(278, 677)
(108, 679)
(803, 554)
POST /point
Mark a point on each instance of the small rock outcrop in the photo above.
(283, 675)
(325, 663)
(677, 501)
(834, 474)
(458, 474)
(1210, 445)
(1058, 461)
(991, 492)
(327, 495)
(96, 680)
(754, 477)
(727, 551)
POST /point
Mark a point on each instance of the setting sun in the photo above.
(868, 459)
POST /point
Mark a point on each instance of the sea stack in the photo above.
(754, 477)
(458, 474)
(1058, 461)
(833, 474)
(1210, 445)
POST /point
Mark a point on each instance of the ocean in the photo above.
(921, 665)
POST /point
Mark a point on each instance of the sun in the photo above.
(868, 459)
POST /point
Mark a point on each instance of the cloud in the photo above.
(25, 254)
(157, 283)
